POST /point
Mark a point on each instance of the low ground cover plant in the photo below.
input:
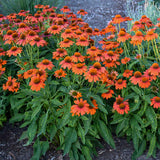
(69, 92)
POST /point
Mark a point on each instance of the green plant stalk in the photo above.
(154, 50)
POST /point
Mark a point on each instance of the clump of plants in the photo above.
(68, 92)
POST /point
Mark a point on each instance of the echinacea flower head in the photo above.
(120, 84)
(155, 69)
(45, 64)
(11, 85)
(38, 41)
(136, 78)
(155, 102)
(80, 107)
(82, 41)
(66, 43)
(92, 75)
(67, 63)
(55, 29)
(127, 73)
(120, 105)
(79, 68)
(144, 82)
(82, 12)
(108, 94)
(59, 53)
(36, 83)
(75, 94)
(123, 36)
(65, 9)
(118, 19)
(60, 73)
(14, 51)
(29, 73)
(151, 35)
(78, 57)
(137, 38)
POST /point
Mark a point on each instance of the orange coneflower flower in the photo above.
(29, 73)
(99, 68)
(137, 38)
(82, 41)
(55, 29)
(36, 83)
(138, 56)
(2, 70)
(2, 62)
(110, 28)
(123, 36)
(60, 73)
(41, 73)
(38, 41)
(60, 52)
(127, 73)
(151, 35)
(82, 12)
(80, 107)
(108, 94)
(65, 9)
(22, 40)
(144, 19)
(96, 32)
(120, 84)
(119, 50)
(148, 73)
(92, 110)
(154, 69)
(125, 60)
(136, 26)
(136, 78)
(2, 52)
(67, 63)
(45, 64)
(79, 68)
(14, 51)
(68, 33)
(144, 82)
(22, 28)
(66, 43)
(120, 105)
(92, 75)
(11, 85)
(100, 56)
(118, 19)
(75, 94)
(78, 57)
(2, 17)
(8, 35)
(92, 51)
(155, 102)
(111, 55)
(109, 63)
(31, 35)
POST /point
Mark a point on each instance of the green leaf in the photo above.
(52, 132)
(86, 153)
(70, 137)
(121, 126)
(44, 147)
(81, 133)
(105, 133)
(44, 123)
(136, 89)
(32, 129)
(17, 118)
(135, 140)
(152, 145)
(36, 111)
(152, 118)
